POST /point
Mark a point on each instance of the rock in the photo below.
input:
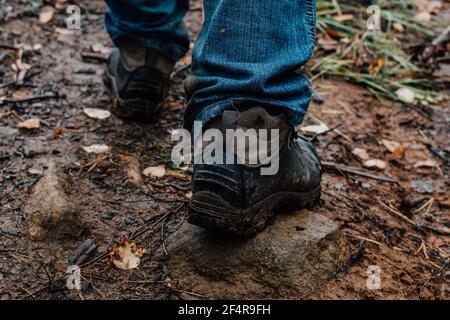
(289, 259)
(11, 231)
(8, 132)
(52, 212)
(422, 186)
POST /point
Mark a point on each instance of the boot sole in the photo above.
(137, 109)
(208, 210)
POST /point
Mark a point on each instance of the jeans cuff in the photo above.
(167, 48)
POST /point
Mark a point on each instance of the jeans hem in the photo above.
(216, 109)
(167, 48)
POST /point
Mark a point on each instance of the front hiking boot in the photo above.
(139, 78)
(241, 197)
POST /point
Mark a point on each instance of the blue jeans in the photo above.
(249, 52)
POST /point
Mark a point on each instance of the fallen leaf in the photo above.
(58, 132)
(64, 31)
(375, 163)
(133, 169)
(35, 171)
(155, 172)
(328, 44)
(361, 154)
(398, 26)
(126, 255)
(20, 94)
(96, 148)
(333, 33)
(423, 16)
(406, 94)
(37, 47)
(376, 65)
(426, 163)
(46, 14)
(176, 174)
(343, 17)
(315, 129)
(95, 113)
(33, 123)
(100, 48)
(397, 149)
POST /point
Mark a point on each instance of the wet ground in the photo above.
(401, 226)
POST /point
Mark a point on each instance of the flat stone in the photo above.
(8, 131)
(290, 258)
(52, 211)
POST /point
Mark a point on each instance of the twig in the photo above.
(397, 213)
(427, 203)
(28, 76)
(357, 171)
(365, 239)
(172, 210)
(29, 99)
(8, 47)
(93, 56)
(162, 235)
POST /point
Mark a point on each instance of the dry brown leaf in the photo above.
(126, 255)
(398, 26)
(33, 123)
(100, 48)
(35, 171)
(20, 94)
(133, 169)
(65, 31)
(426, 163)
(46, 14)
(176, 174)
(423, 16)
(397, 149)
(315, 129)
(361, 154)
(96, 113)
(58, 132)
(96, 148)
(155, 172)
(376, 65)
(375, 163)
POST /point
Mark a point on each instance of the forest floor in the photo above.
(402, 226)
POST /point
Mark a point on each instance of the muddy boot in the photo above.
(139, 78)
(242, 198)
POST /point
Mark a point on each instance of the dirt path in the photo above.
(409, 242)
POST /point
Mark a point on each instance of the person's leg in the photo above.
(150, 36)
(153, 23)
(246, 75)
(251, 52)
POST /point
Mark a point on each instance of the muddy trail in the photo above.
(394, 210)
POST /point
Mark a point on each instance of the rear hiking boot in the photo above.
(139, 79)
(241, 197)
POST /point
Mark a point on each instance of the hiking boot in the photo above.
(238, 198)
(139, 78)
